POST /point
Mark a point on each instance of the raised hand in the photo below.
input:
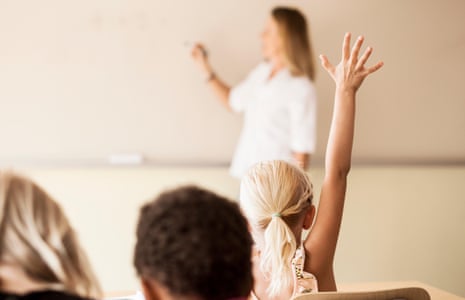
(351, 71)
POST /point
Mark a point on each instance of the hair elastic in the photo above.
(276, 215)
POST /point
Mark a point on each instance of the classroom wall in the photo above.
(400, 223)
(86, 79)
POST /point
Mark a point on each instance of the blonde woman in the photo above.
(276, 198)
(277, 98)
(40, 257)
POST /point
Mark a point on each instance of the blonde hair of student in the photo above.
(295, 36)
(36, 236)
(274, 195)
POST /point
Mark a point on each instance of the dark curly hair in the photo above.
(195, 242)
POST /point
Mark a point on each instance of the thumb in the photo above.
(326, 64)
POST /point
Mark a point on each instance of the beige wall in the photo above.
(97, 77)
(400, 223)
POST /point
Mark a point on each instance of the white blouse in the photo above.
(279, 117)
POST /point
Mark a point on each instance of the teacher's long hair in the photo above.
(297, 49)
(36, 236)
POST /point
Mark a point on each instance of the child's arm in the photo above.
(321, 242)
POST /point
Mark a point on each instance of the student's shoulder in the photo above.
(41, 295)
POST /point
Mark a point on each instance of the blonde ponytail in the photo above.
(276, 258)
(273, 196)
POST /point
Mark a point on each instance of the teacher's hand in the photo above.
(199, 55)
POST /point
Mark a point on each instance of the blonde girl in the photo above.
(276, 197)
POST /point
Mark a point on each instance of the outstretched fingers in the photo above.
(327, 65)
(374, 68)
(346, 47)
(350, 72)
(355, 52)
(364, 58)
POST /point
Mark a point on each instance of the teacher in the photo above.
(277, 97)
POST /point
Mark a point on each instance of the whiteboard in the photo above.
(82, 80)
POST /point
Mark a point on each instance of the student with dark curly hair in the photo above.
(193, 244)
